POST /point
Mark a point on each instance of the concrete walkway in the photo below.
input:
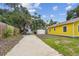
(31, 45)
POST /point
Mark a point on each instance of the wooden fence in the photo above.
(2, 28)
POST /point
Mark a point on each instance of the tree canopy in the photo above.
(37, 22)
(17, 17)
(73, 13)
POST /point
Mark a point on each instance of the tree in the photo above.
(73, 13)
(69, 14)
(52, 22)
(18, 17)
(77, 10)
(37, 22)
(2, 11)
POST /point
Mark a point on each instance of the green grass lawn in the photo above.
(66, 46)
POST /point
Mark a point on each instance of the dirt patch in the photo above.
(66, 41)
(7, 44)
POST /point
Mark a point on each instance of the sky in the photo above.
(55, 11)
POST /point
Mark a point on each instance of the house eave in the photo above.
(65, 23)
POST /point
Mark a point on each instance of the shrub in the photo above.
(8, 31)
(16, 31)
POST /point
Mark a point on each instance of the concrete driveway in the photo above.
(31, 45)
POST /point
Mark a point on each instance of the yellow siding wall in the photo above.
(69, 30)
(76, 24)
(59, 30)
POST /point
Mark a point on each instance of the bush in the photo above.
(8, 31)
(16, 31)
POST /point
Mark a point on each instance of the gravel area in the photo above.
(7, 44)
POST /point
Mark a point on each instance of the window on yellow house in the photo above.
(78, 28)
(64, 29)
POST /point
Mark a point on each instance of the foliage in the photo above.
(73, 13)
(16, 31)
(69, 15)
(37, 22)
(77, 11)
(8, 32)
(17, 15)
(52, 22)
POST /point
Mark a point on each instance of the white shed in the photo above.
(41, 31)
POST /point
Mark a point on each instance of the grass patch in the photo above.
(66, 46)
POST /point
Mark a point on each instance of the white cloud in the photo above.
(37, 6)
(44, 16)
(32, 7)
(52, 16)
(32, 10)
(55, 8)
(69, 7)
(27, 5)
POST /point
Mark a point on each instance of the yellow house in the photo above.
(68, 28)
